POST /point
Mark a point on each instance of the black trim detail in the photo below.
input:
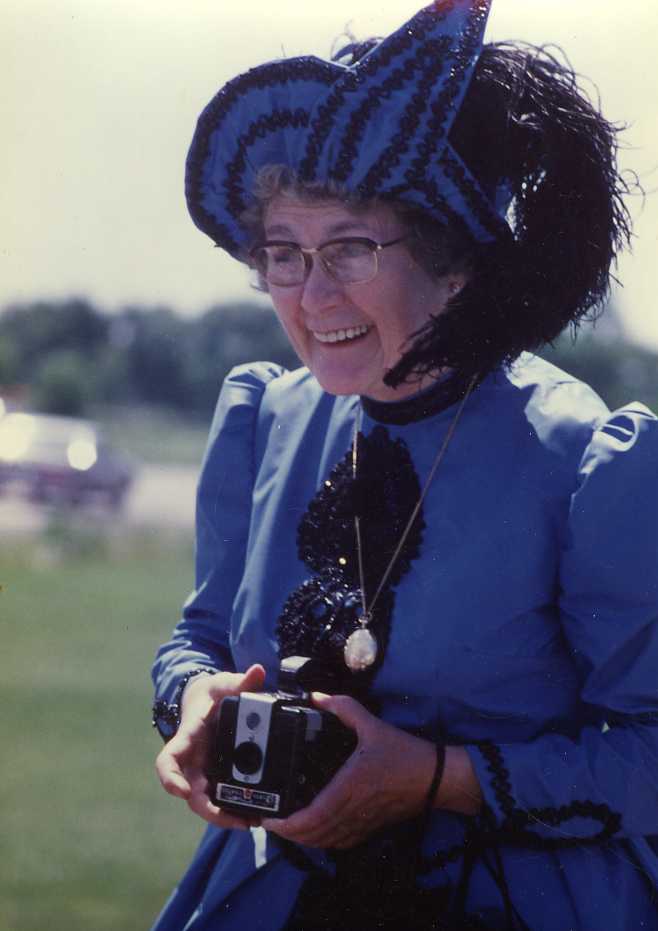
(318, 617)
(415, 31)
(263, 126)
(514, 828)
(210, 121)
(477, 202)
(166, 715)
(443, 108)
(166, 718)
(436, 50)
(426, 404)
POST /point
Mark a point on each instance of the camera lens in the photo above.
(253, 720)
(248, 758)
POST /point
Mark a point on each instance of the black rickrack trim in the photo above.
(516, 828)
(166, 715)
(442, 108)
(500, 776)
(416, 30)
(478, 204)
(518, 819)
(436, 50)
(359, 119)
(437, 201)
(263, 126)
(214, 114)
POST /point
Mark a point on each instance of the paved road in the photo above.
(160, 497)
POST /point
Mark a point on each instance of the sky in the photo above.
(100, 97)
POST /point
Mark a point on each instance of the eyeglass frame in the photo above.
(307, 255)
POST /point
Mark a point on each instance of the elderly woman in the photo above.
(462, 536)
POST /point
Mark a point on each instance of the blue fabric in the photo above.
(528, 621)
(379, 127)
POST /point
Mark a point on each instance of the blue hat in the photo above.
(379, 128)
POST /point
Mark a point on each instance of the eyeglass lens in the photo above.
(348, 261)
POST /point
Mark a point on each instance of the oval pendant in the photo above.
(360, 650)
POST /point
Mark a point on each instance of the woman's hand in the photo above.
(180, 764)
(385, 780)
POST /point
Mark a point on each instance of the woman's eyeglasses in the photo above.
(353, 260)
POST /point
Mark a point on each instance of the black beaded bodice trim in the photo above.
(320, 614)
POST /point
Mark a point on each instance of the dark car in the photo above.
(61, 460)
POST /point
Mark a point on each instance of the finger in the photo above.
(232, 683)
(171, 775)
(200, 803)
(317, 822)
(350, 827)
(348, 710)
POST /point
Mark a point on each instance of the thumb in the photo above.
(348, 710)
(253, 679)
(232, 683)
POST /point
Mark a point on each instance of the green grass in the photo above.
(89, 841)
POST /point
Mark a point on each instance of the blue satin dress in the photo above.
(524, 629)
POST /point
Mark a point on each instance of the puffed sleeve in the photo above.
(604, 782)
(200, 642)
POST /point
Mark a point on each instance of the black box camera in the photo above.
(272, 752)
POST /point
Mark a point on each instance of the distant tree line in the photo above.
(68, 357)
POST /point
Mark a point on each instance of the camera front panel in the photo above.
(272, 754)
(252, 761)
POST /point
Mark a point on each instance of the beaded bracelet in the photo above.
(166, 715)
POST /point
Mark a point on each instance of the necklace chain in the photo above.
(367, 613)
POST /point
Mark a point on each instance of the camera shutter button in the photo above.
(248, 758)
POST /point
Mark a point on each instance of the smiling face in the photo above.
(349, 336)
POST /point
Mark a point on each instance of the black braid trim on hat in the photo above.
(408, 125)
(416, 30)
(478, 203)
(430, 189)
(359, 119)
(320, 614)
(442, 108)
(268, 123)
(211, 119)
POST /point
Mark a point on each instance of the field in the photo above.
(89, 841)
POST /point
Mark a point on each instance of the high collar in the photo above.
(420, 406)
